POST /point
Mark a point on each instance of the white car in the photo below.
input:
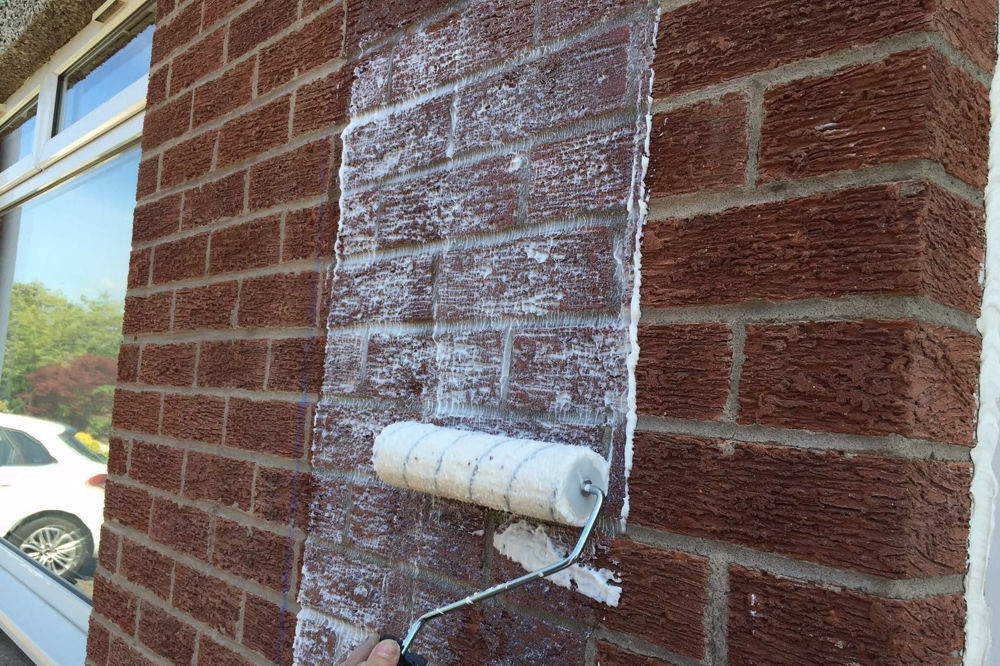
(51, 493)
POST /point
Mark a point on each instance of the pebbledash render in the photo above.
(734, 245)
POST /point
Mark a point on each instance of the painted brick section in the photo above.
(785, 622)
(870, 377)
(891, 517)
(904, 238)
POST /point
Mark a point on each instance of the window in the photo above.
(17, 136)
(24, 450)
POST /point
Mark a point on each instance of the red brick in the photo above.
(121, 653)
(397, 143)
(255, 132)
(147, 314)
(127, 505)
(462, 42)
(149, 177)
(128, 364)
(233, 364)
(118, 456)
(367, 22)
(905, 238)
(492, 112)
(399, 289)
(166, 122)
(97, 642)
(214, 201)
(182, 528)
(194, 417)
(209, 307)
(871, 377)
(269, 426)
(316, 44)
(563, 272)
(115, 604)
(168, 365)
(331, 500)
(229, 92)
(910, 106)
(207, 599)
(311, 233)
(970, 25)
(683, 371)
(399, 367)
(198, 61)
(157, 465)
(345, 431)
(156, 92)
(568, 369)
(177, 32)
(191, 159)
(611, 655)
(107, 553)
(166, 635)
(282, 300)
(224, 480)
(216, 10)
(564, 16)
(137, 411)
(269, 629)
(156, 219)
(138, 268)
(283, 496)
(258, 24)
(297, 365)
(892, 517)
(708, 42)
(180, 260)
(211, 653)
(147, 568)
(698, 147)
(265, 557)
(779, 621)
(245, 246)
(673, 621)
(469, 367)
(300, 173)
(322, 104)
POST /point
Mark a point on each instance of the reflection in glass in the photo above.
(70, 251)
(17, 136)
(115, 64)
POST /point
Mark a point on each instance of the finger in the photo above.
(385, 653)
(361, 653)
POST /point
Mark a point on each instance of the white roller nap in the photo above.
(537, 479)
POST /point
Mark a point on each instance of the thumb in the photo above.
(385, 653)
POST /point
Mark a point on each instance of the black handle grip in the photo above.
(408, 659)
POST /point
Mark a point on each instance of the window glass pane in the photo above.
(115, 64)
(29, 450)
(67, 294)
(17, 136)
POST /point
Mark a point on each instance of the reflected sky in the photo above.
(78, 237)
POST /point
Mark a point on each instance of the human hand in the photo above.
(368, 653)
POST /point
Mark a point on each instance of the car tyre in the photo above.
(61, 545)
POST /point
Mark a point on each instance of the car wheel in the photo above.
(60, 545)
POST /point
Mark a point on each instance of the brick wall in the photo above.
(809, 357)
(807, 376)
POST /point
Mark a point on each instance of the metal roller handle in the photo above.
(588, 488)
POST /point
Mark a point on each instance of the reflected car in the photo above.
(51, 493)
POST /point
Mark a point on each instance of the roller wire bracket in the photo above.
(414, 660)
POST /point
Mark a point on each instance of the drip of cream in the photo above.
(532, 548)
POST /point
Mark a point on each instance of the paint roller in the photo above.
(543, 480)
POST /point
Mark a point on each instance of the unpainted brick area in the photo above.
(355, 213)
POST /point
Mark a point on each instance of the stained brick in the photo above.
(892, 517)
(871, 377)
(127, 505)
(259, 23)
(285, 299)
(191, 159)
(168, 365)
(560, 17)
(165, 635)
(269, 629)
(194, 417)
(249, 245)
(198, 61)
(209, 307)
(207, 599)
(270, 426)
(137, 411)
(778, 621)
(698, 147)
(343, 360)
(156, 219)
(707, 42)
(683, 371)
(166, 122)
(157, 465)
(224, 480)
(535, 276)
(255, 132)
(229, 92)
(147, 568)
(912, 105)
(233, 364)
(400, 367)
(492, 111)
(179, 527)
(345, 431)
(397, 289)
(265, 557)
(115, 604)
(297, 174)
(214, 201)
(469, 368)
(905, 238)
(568, 369)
